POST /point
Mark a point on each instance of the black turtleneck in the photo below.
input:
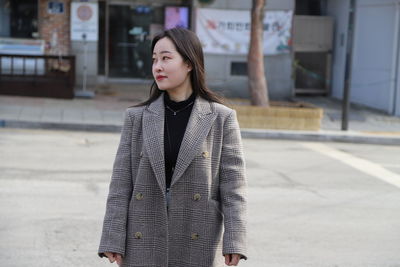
(174, 130)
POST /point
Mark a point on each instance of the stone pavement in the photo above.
(105, 113)
(362, 119)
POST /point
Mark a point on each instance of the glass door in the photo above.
(129, 41)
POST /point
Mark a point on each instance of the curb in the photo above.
(316, 136)
(322, 136)
(60, 126)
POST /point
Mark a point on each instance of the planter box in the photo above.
(280, 115)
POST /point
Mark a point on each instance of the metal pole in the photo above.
(84, 62)
(84, 93)
(107, 41)
(347, 75)
(395, 68)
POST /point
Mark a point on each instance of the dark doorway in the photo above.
(311, 7)
(101, 59)
(129, 41)
(19, 19)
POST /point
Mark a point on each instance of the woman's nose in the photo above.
(157, 66)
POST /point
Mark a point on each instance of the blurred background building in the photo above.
(306, 44)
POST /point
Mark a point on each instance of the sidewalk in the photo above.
(105, 113)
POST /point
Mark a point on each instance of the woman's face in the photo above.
(169, 70)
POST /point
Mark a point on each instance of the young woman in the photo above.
(177, 196)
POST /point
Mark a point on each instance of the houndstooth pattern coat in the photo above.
(206, 217)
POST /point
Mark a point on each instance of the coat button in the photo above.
(197, 197)
(139, 196)
(205, 154)
(138, 235)
(195, 236)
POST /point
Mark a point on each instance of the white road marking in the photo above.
(360, 164)
(397, 166)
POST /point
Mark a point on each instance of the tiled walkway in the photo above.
(107, 108)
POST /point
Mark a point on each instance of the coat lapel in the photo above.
(153, 137)
(199, 124)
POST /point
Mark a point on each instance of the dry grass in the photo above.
(279, 115)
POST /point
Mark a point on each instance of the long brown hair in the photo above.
(189, 47)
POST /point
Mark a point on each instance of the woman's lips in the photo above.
(160, 77)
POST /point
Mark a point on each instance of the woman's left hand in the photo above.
(232, 259)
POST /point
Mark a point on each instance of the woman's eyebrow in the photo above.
(163, 52)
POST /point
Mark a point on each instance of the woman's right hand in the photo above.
(114, 257)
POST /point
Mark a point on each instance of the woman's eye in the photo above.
(165, 58)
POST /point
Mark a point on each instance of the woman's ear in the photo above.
(189, 66)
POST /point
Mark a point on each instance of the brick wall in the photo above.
(55, 28)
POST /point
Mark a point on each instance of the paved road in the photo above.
(311, 204)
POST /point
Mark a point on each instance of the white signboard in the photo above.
(84, 21)
(228, 31)
(17, 46)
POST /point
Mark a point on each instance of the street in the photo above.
(310, 204)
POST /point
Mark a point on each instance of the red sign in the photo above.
(84, 13)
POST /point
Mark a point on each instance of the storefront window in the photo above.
(131, 31)
(19, 18)
(125, 33)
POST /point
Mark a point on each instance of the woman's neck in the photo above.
(178, 96)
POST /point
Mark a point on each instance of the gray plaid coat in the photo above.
(206, 217)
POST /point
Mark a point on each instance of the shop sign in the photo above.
(84, 21)
(228, 31)
(19, 46)
(55, 7)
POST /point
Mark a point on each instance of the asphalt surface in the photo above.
(310, 204)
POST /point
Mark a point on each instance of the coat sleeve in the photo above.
(233, 189)
(120, 191)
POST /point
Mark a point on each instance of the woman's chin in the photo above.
(162, 88)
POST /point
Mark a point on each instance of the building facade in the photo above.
(121, 53)
(375, 69)
(124, 29)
